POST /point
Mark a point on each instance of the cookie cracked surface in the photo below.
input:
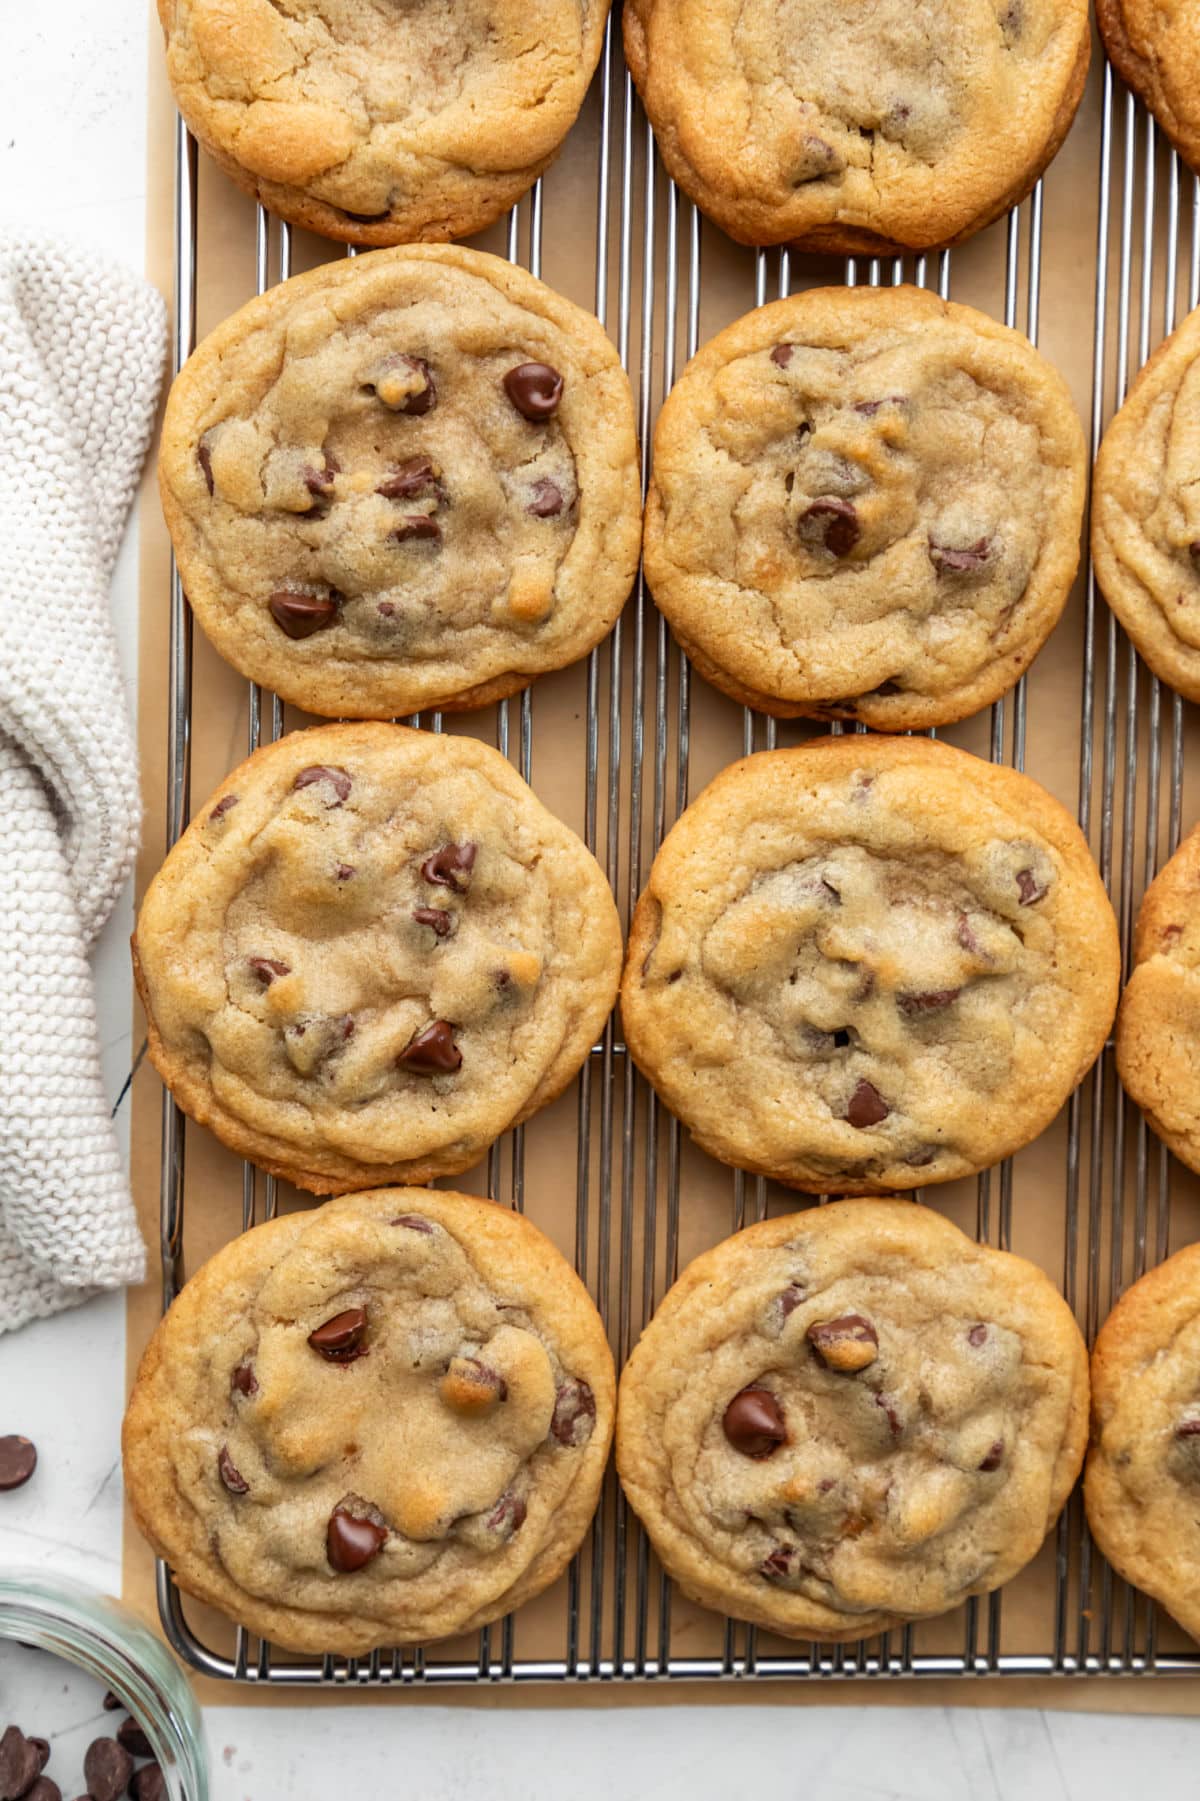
(372, 952)
(866, 503)
(1158, 1026)
(893, 1483)
(869, 963)
(402, 482)
(1143, 1468)
(419, 1481)
(850, 128)
(1155, 49)
(382, 121)
(1146, 511)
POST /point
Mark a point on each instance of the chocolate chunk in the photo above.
(433, 1051)
(830, 524)
(223, 806)
(781, 356)
(438, 919)
(242, 1381)
(545, 499)
(18, 1460)
(1030, 889)
(977, 1335)
(778, 1563)
(753, 1423)
(451, 866)
(134, 1739)
(267, 968)
(45, 1788)
(148, 1784)
(574, 1412)
(338, 780)
(350, 1542)
(300, 615)
(234, 1481)
(913, 1004)
(508, 1515)
(535, 389)
(866, 1106)
(107, 1768)
(21, 1762)
(994, 1457)
(415, 475)
(967, 559)
(340, 1338)
(42, 1746)
(849, 1343)
(418, 526)
(405, 384)
(204, 458)
(414, 1222)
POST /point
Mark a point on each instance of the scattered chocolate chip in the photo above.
(267, 968)
(350, 1542)
(778, 1563)
(866, 1106)
(42, 1746)
(1030, 889)
(535, 389)
(893, 1418)
(405, 384)
(346, 1024)
(386, 610)
(781, 356)
(847, 1344)
(921, 1159)
(223, 806)
(234, 1481)
(433, 1051)
(753, 1423)
(300, 615)
(791, 1298)
(1194, 550)
(343, 871)
(204, 458)
(242, 1381)
(364, 218)
(131, 1735)
(994, 1457)
(913, 1004)
(415, 475)
(414, 1222)
(18, 1460)
(508, 1515)
(418, 526)
(451, 866)
(949, 559)
(112, 1702)
(545, 499)
(977, 1335)
(107, 1768)
(473, 1385)
(841, 1039)
(830, 524)
(148, 1784)
(21, 1762)
(574, 1412)
(339, 1340)
(337, 779)
(966, 936)
(438, 919)
(319, 482)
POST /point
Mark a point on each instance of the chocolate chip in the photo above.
(337, 779)
(574, 1412)
(112, 1702)
(364, 218)
(994, 1457)
(319, 482)
(1189, 1429)
(508, 1515)
(148, 1784)
(300, 615)
(913, 1004)
(830, 524)
(438, 919)
(966, 936)
(44, 1789)
(535, 389)
(921, 1159)
(893, 1417)
(451, 866)
(416, 475)
(545, 499)
(753, 1423)
(782, 355)
(472, 1386)
(18, 1460)
(343, 871)
(204, 458)
(242, 1381)
(418, 526)
(405, 384)
(849, 1343)
(777, 1563)
(869, 408)
(134, 1739)
(1194, 550)
(1030, 889)
(340, 1338)
(791, 1298)
(866, 1106)
(223, 806)
(42, 1747)
(414, 1222)
(267, 968)
(433, 1051)
(977, 1335)
(350, 1542)
(21, 1762)
(107, 1768)
(234, 1481)
(967, 559)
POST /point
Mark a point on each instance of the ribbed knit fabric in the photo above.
(82, 350)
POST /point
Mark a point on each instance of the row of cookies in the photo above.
(388, 1422)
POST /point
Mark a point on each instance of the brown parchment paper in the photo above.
(1110, 1203)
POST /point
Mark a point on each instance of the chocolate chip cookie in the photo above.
(869, 963)
(866, 504)
(402, 482)
(382, 124)
(383, 1422)
(1155, 49)
(373, 951)
(843, 127)
(849, 1418)
(1146, 511)
(1158, 1026)
(1143, 1469)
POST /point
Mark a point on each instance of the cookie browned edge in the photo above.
(833, 239)
(1049, 817)
(1138, 74)
(147, 1495)
(340, 1175)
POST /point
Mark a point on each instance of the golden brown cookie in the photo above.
(866, 504)
(869, 963)
(1158, 1026)
(1146, 511)
(402, 482)
(844, 127)
(842, 1420)
(383, 1422)
(1155, 49)
(382, 124)
(1143, 1469)
(372, 952)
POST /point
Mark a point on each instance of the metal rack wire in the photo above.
(618, 1612)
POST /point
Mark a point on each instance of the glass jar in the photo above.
(88, 1629)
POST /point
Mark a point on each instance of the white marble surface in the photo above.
(72, 85)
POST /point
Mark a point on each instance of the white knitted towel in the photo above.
(82, 349)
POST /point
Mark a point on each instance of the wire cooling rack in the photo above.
(1112, 1195)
